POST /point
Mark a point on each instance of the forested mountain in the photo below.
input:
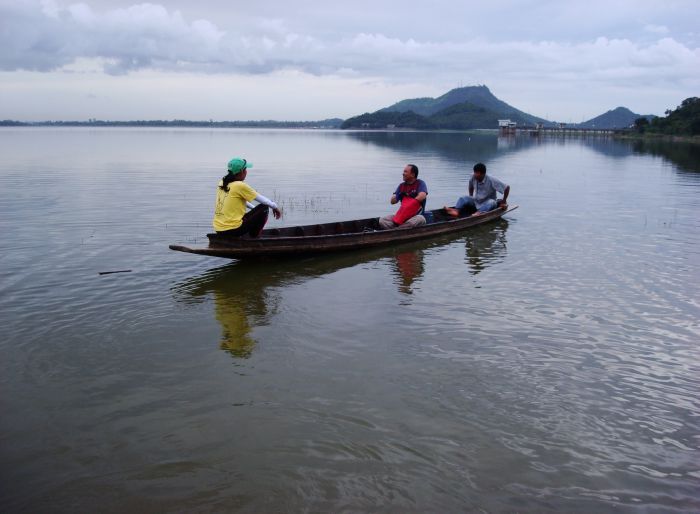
(618, 118)
(389, 119)
(467, 115)
(462, 108)
(479, 96)
(684, 120)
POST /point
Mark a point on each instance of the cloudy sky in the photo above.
(312, 59)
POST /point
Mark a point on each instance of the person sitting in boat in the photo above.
(232, 198)
(412, 194)
(482, 196)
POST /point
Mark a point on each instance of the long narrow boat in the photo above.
(334, 237)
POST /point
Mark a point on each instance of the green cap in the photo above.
(238, 164)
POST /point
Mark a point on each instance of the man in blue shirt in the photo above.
(483, 191)
(411, 187)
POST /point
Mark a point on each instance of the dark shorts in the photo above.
(252, 224)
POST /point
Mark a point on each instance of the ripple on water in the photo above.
(546, 363)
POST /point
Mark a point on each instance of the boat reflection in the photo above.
(244, 292)
(486, 246)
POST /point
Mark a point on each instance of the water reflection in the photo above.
(458, 146)
(244, 293)
(506, 142)
(408, 267)
(684, 155)
(609, 147)
(242, 300)
(486, 246)
(469, 146)
(235, 337)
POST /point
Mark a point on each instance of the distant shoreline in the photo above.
(658, 137)
(333, 123)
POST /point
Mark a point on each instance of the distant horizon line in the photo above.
(175, 121)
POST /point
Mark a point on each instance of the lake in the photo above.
(547, 362)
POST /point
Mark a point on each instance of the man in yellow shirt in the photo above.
(233, 196)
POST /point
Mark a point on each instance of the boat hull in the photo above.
(310, 239)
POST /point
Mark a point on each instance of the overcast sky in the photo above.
(310, 59)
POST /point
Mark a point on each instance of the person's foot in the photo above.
(478, 213)
(451, 211)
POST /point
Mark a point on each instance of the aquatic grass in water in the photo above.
(323, 202)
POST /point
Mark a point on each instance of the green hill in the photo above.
(479, 96)
(618, 118)
(386, 119)
(465, 115)
(461, 116)
(684, 120)
(422, 106)
(459, 109)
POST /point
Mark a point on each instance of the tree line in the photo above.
(682, 121)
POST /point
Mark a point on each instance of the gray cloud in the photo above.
(543, 56)
(45, 37)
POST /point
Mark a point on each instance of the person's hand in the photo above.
(277, 213)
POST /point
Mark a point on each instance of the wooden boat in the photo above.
(335, 237)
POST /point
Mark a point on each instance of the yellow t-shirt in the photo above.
(230, 206)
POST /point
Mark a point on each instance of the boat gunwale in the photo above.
(396, 233)
(292, 246)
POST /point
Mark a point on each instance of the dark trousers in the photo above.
(252, 224)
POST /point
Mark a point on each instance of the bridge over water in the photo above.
(539, 131)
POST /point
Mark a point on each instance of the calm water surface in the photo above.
(548, 362)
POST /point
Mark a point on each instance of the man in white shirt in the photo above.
(482, 196)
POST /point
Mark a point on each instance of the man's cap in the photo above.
(238, 164)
